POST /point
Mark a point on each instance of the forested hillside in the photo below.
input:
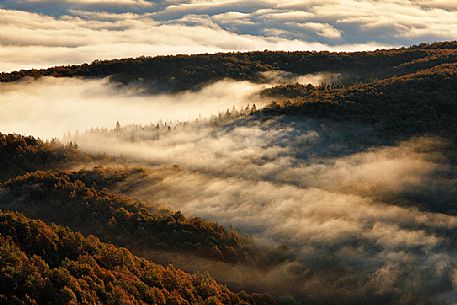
(329, 180)
(81, 201)
(182, 72)
(49, 264)
(423, 102)
(401, 92)
(20, 154)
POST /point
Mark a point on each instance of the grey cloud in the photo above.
(60, 8)
(34, 41)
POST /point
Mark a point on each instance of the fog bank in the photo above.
(364, 220)
(49, 107)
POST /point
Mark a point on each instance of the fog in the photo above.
(280, 77)
(369, 221)
(361, 215)
(49, 106)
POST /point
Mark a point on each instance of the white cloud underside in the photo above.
(77, 31)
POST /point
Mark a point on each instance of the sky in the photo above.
(43, 33)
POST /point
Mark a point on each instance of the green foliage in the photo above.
(42, 264)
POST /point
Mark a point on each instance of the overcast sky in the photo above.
(42, 33)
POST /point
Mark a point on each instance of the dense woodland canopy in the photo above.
(49, 264)
(82, 201)
(20, 154)
(402, 92)
(399, 92)
(50, 270)
(182, 72)
(423, 102)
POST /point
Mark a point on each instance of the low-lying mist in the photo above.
(369, 221)
(280, 77)
(365, 221)
(48, 107)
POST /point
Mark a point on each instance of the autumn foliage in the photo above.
(49, 264)
(81, 201)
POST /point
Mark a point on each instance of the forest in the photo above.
(291, 178)
(183, 72)
(50, 264)
(403, 92)
(21, 154)
(57, 265)
(415, 103)
(65, 198)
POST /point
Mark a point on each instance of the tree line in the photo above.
(183, 72)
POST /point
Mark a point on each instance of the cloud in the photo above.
(398, 21)
(77, 31)
(323, 29)
(32, 41)
(62, 7)
(440, 4)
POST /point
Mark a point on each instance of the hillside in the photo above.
(423, 102)
(334, 182)
(49, 264)
(183, 72)
(401, 92)
(82, 201)
(21, 154)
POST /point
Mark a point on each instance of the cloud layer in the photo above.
(41, 33)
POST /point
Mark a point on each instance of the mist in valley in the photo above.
(360, 219)
(363, 219)
(49, 107)
(209, 152)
